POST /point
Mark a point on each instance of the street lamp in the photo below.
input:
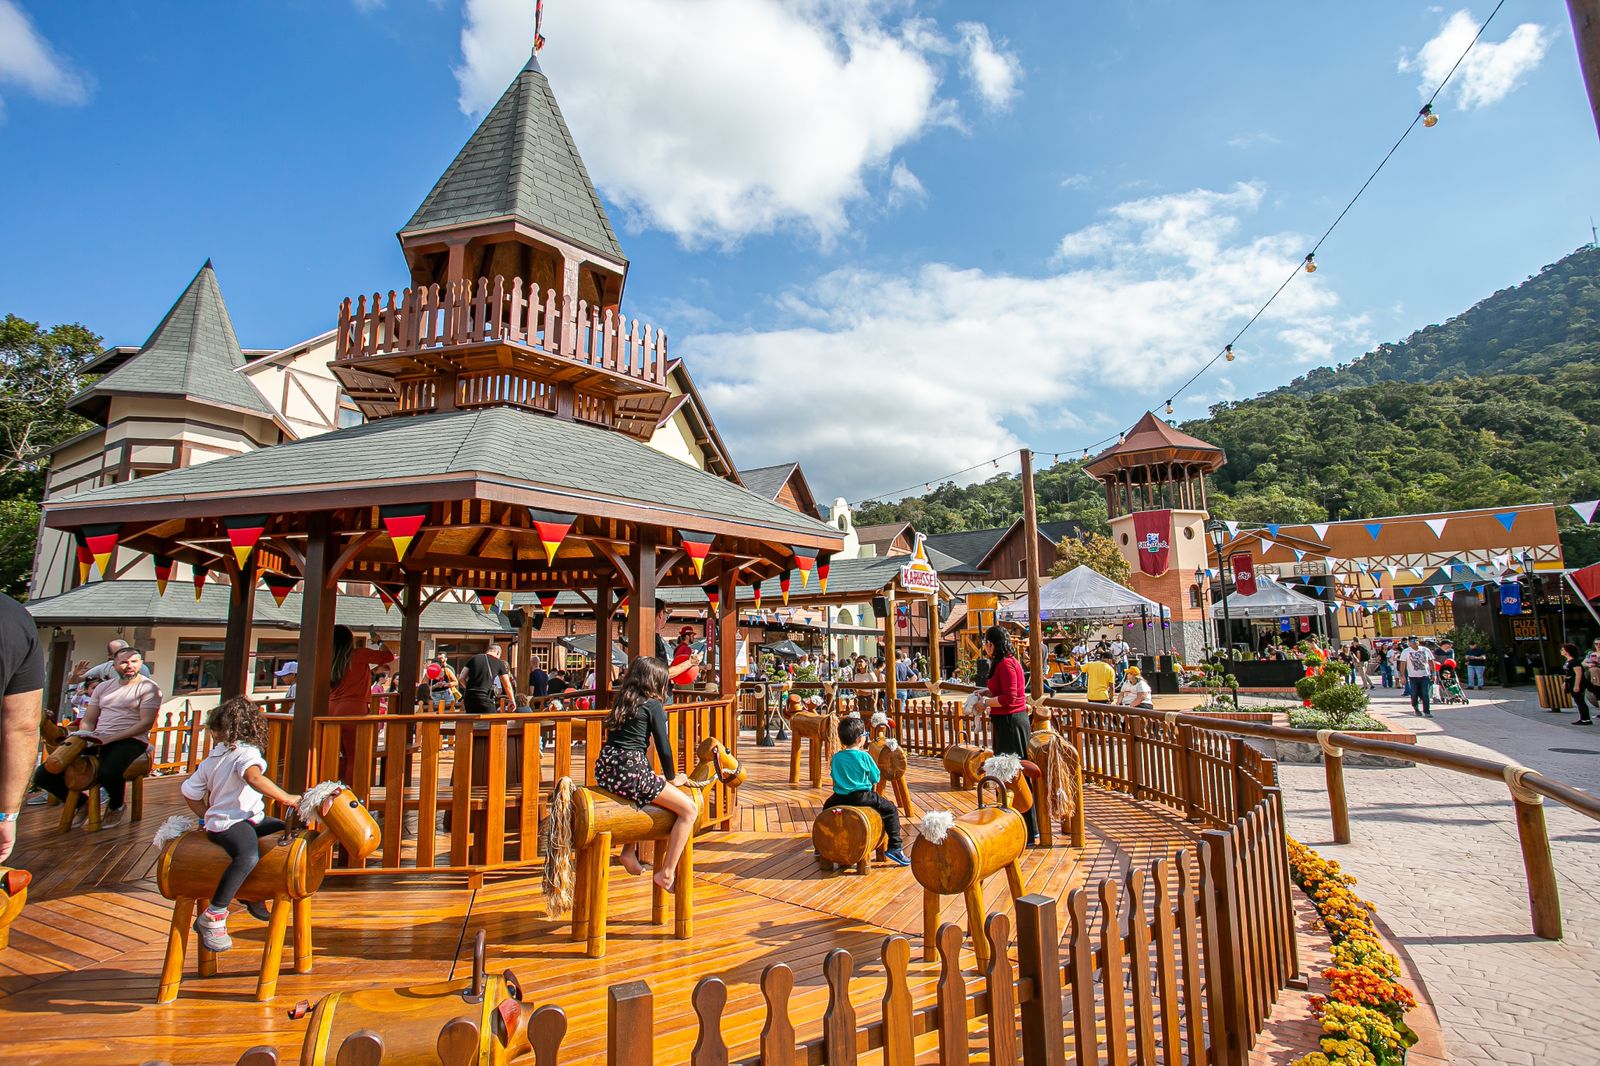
(1205, 598)
(1533, 597)
(1218, 531)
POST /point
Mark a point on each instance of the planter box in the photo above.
(1268, 673)
(1305, 752)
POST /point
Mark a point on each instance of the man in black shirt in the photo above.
(539, 681)
(478, 678)
(21, 685)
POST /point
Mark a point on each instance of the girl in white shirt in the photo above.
(226, 790)
(1135, 691)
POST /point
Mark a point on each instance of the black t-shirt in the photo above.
(647, 723)
(539, 681)
(477, 677)
(21, 655)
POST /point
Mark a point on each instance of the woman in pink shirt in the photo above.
(1008, 706)
(350, 693)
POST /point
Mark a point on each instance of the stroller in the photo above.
(1449, 684)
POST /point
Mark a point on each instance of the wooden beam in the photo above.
(728, 632)
(602, 643)
(410, 664)
(642, 615)
(888, 650)
(317, 604)
(350, 552)
(618, 563)
(1030, 539)
(241, 617)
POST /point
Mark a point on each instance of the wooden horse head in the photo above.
(714, 760)
(342, 817)
(13, 896)
(1014, 775)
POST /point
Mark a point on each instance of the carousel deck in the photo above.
(78, 982)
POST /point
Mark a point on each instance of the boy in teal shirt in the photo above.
(854, 775)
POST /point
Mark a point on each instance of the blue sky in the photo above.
(890, 238)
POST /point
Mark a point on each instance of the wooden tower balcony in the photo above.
(495, 342)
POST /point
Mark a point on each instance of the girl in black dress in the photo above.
(636, 720)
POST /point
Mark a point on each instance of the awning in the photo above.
(1084, 595)
(1271, 600)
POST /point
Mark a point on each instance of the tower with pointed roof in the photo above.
(1155, 484)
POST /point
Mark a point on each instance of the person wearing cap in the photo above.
(1416, 664)
(288, 675)
(685, 663)
(1135, 691)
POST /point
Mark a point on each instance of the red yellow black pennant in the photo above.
(804, 560)
(755, 590)
(552, 528)
(622, 606)
(85, 556)
(823, 562)
(163, 573)
(403, 521)
(385, 597)
(697, 546)
(487, 597)
(200, 573)
(547, 600)
(102, 544)
(243, 532)
(783, 585)
(713, 596)
(279, 585)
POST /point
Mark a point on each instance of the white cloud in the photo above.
(875, 380)
(994, 73)
(1076, 181)
(28, 61)
(1252, 140)
(717, 119)
(1489, 72)
(904, 186)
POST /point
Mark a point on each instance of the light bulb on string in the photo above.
(1228, 353)
(1169, 407)
(1429, 118)
(1311, 262)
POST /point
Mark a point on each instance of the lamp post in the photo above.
(1205, 598)
(1218, 531)
(1533, 597)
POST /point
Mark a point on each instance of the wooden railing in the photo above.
(493, 793)
(465, 313)
(179, 740)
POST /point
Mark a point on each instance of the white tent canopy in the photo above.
(1084, 595)
(1271, 600)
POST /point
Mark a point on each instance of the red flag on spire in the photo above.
(538, 25)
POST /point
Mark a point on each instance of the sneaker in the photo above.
(1584, 721)
(258, 910)
(1428, 715)
(38, 799)
(213, 931)
(111, 816)
(897, 857)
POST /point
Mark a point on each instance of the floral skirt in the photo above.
(628, 774)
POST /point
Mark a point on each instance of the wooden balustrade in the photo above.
(179, 740)
(499, 311)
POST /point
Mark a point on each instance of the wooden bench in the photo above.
(848, 836)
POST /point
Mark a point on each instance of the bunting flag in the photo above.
(488, 597)
(385, 597)
(280, 586)
(622, 605)
(713, 597)
(243, 532)
(1507, 519)
(783, 585)
(697, 546)
(102, 544)
(553, 527)
(1586, 510)
(85, 556)
(163, 566)
(1373, 529)
(755, 590)
(1267, 545)
(1298, 554)
(200, 572)
(547, 600)
(403, 521)
(805, 560)
(1437, 525)
(1320, 529)
(822, 570)
(1233, 528)
(1273, 527)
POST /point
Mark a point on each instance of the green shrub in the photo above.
(1305, 688)
(1340, 703)
(1310, 718)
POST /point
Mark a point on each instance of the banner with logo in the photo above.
(1150, 529)
(1511, 598)
(1244, 573)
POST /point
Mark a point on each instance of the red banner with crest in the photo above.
(1244, 573)
(1150, 530)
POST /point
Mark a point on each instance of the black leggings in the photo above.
(239, 841)
(868, 798)
(115, 758)
(1011, 732)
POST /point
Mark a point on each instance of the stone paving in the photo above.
(1437, 852)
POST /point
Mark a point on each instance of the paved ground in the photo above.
(1437, 852)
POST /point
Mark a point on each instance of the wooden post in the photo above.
(1039, 961)
(316, 644)
(1333, 775)
(1585, 16)
(933, 639)
(410, 665)
(1544, 896)
(523, 667)
(1030, 539)
(728, 639)
(241, 616)
(892, 688)
(630, 1025)
(602, 644)
(642, 612)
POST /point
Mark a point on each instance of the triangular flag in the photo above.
(1233, 528)
(547, 600)
(1500, 561)
(823, 562)
(755, 589)
(1273, 527)
(622, 605)
(243, 532)
(805, 559)
(102, 544)
(1437, 525)
(1586, 510)
(1320, 529)
(1373, 529)
(85, 556)
(713, 596)
(697, 546)
(402, 521)
(1507, 519)
(1298, 554)
(280, 586)
(783, 585)
(552, 528)
(163, 566)
(1267, 545)
(487, 598)
(385, 597)
(200, 573)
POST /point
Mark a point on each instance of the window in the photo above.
(270, 657)
(199, 666)
(1194, 595)
(348, 414)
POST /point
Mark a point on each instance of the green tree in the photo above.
(1096, 551)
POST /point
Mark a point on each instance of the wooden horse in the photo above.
(480, 1020)
(81, 772)
(964, 763)
(891, 759)
(820, 731)
(13, 897)
(953, 854)
(585, 822)
(848, 837)
(293, 864)
(1060, 792)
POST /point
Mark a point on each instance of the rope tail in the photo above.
(559, 861)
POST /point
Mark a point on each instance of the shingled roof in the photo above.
(192, 354)
(521, 163)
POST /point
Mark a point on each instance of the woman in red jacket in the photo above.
(1008, 707)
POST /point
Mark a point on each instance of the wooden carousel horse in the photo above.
(293, 864)
(80, 770)
(964, 763)
(585, 822)
(953, 854)
(891, 759)
(819, 730)
(13, 897)
(848, 837)
(480, 1020)
(1060, 791)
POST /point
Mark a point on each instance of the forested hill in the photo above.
(1499, 405)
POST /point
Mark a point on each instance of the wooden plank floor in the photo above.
(78, 982)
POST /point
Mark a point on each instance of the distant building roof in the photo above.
(768, 482)
(968, 545)
(884, 534)
(193, 354)
(521, 163)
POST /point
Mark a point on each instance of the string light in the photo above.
(1429, 118)
(1228, 351)
(1311, 262)
(1169, 407)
